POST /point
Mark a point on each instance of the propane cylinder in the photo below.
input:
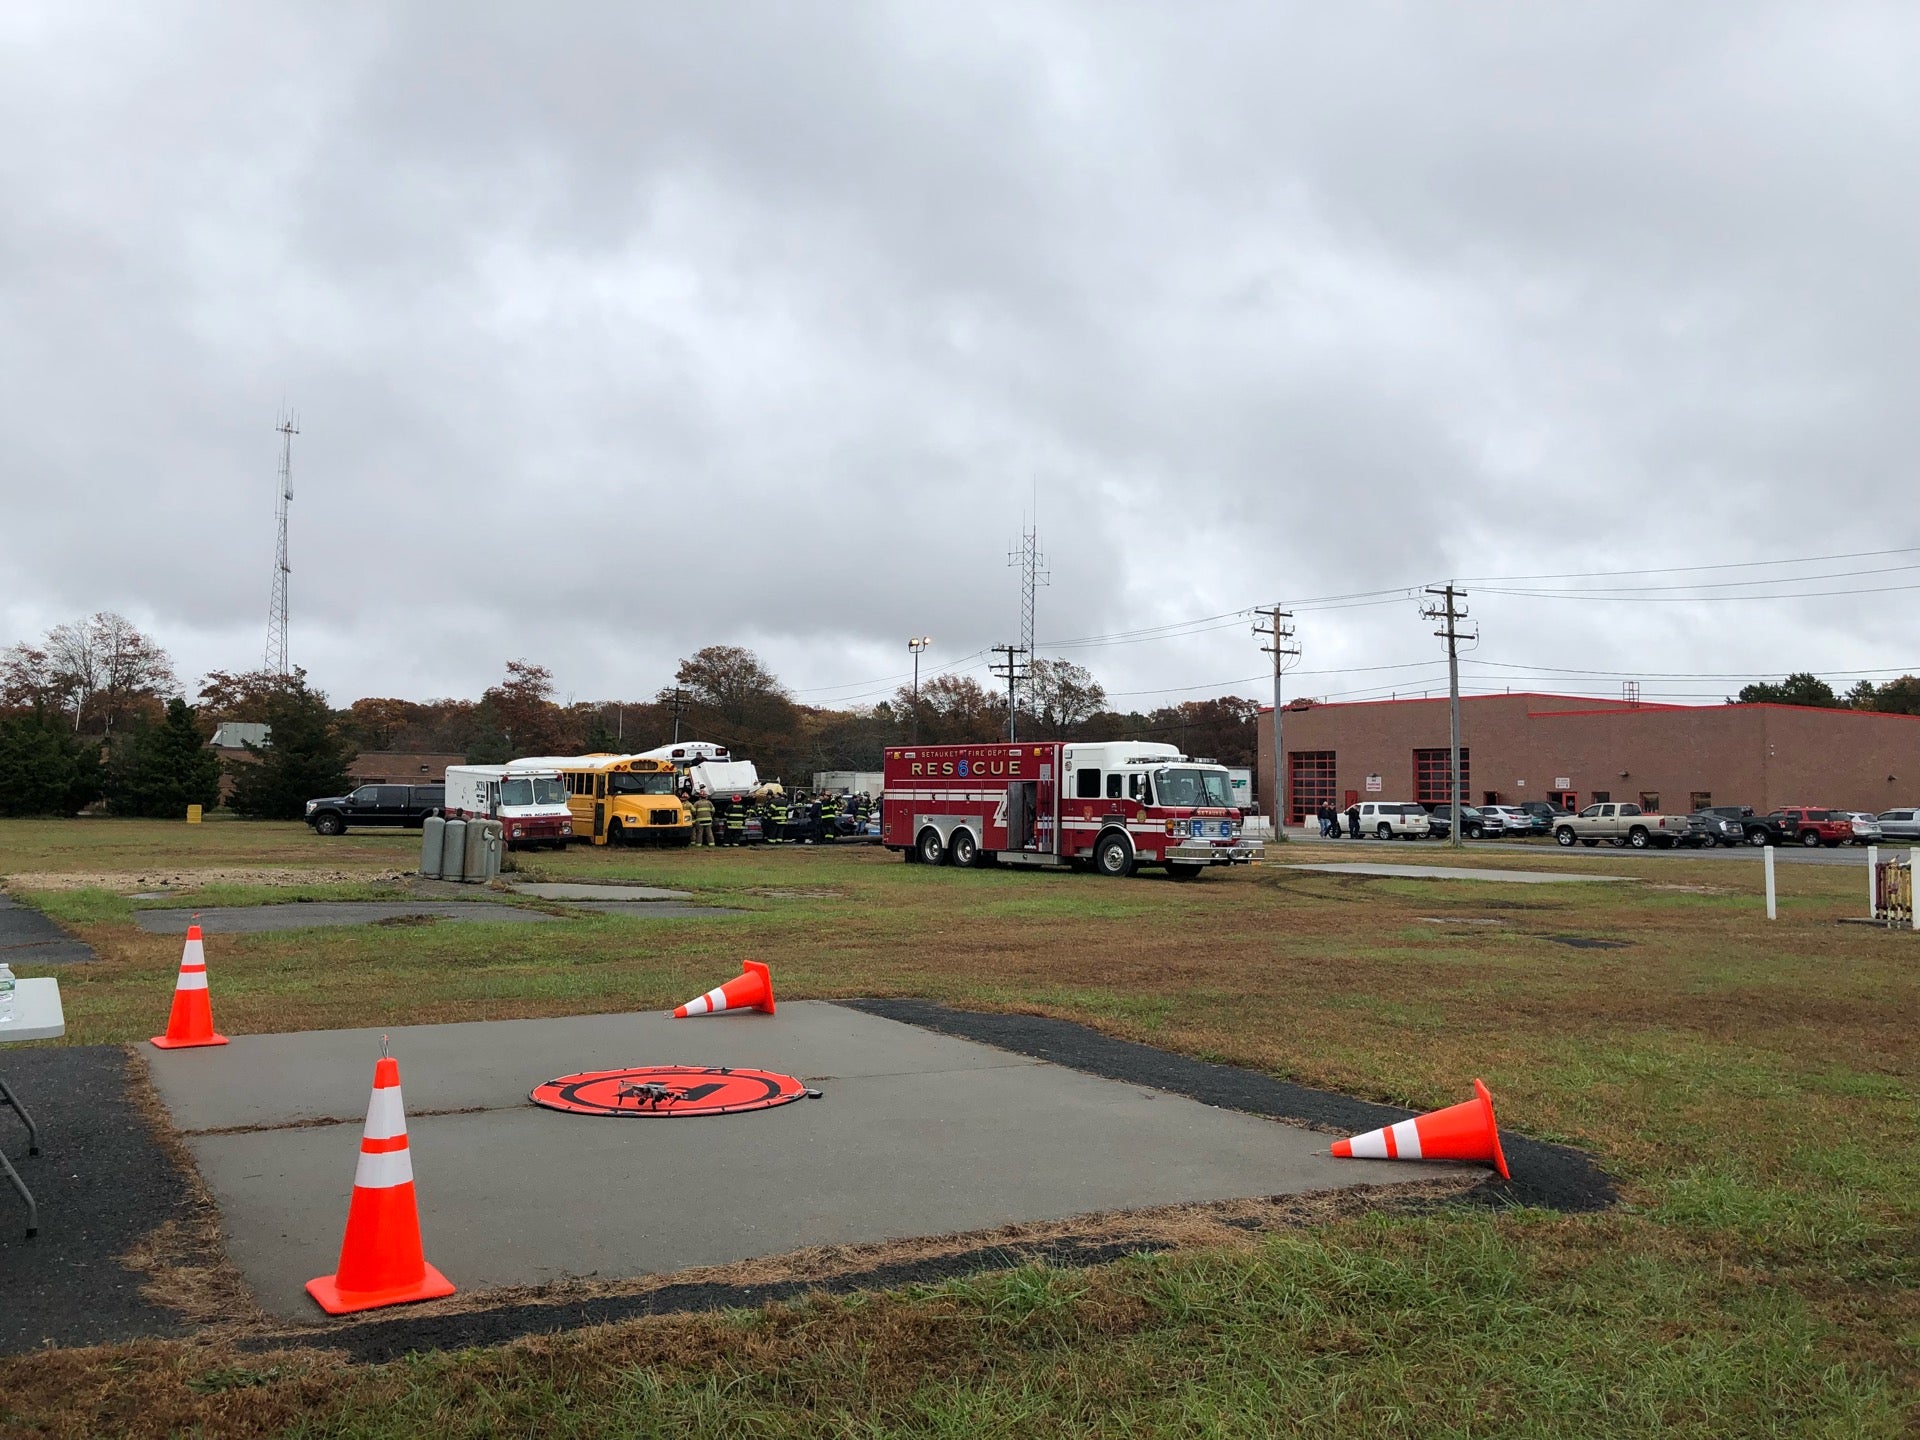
(432, 837)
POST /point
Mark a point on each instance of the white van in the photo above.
(531, 806)
(1393, 820)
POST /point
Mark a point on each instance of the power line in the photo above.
(1691, 569)
(1013, 671)
(1452, 612)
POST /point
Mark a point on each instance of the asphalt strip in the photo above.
(1555, 1177)
(104, 1185)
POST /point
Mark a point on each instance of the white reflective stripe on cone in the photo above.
(712, 1001)
(194, 954)
(1370, 1146)
(191, 980)
(1406, 1139)
(384, 1169)
(386, 1117)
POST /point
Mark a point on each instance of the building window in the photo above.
(1310, 783)
(1601, 797)
(1700, 800)
(1650, 802)
(1430, 776)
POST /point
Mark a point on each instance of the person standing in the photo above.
(777, 815)
(1353, 822)
(829, 816)
(736, 826)
(702, 819)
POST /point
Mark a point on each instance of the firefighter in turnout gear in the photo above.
(736, 824)
(776, 818)
(829, 817)
(702, 820)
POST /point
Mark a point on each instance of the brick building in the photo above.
(1576, 750)
(400, 767)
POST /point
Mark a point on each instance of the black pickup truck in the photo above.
(376, 805)
(1754, 829)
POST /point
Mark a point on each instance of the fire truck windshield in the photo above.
(622, 783)
(549, 790)
(1178, 785)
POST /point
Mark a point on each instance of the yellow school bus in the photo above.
(619, 799)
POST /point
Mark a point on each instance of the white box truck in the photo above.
(531, 807)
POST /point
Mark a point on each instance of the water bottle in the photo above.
(6, 993)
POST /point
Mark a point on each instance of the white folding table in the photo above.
(36, 1016)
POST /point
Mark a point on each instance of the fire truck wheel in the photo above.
(1114, 857)
(1186, 872)
(929, 847)
(963, 849)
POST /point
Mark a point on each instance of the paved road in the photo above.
(1786, 854)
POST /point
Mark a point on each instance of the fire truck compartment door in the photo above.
(1020, 799)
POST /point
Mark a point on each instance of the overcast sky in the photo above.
(619, 329)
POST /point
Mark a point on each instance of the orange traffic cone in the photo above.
(381, 1262)
(1459, 1132)
(752, 989)
(191, 1020)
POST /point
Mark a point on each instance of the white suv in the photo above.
(1394, 820)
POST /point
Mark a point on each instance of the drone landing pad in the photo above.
(668, 1090)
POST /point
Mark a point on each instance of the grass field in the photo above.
(1752, 1086)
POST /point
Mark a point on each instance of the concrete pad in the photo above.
(918, 1134)
(1461, 872)
(264, 1080)
(640, 894)
(300, 915)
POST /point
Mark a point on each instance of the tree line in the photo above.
(95, 712)
(1894, 697)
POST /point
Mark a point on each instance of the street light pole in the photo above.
(916, 645)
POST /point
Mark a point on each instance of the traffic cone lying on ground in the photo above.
(752, 989)
(1459, 1132)
(381, 1262)
(191, 1020)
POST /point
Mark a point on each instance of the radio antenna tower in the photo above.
(1029, 559)
(276, 662)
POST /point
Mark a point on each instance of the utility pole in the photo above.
(916, 645)
(1452, 613)
(276, 662)
(1279, 629)
(1015, 671)
(679, 707)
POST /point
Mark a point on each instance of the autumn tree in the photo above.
(952, 709)
(101, 671)
(1896, 697)
(1063, 697)
(1224, 729)
(519, 712)
(239, 695)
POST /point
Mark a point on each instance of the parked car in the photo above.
(1475, 823)
(1758, 829)
(376, 805)
(1708, 828)
(1812, 826)
(1547, 814)
(1900, 824)
(1866, 828)
(1393, 820)
(1519, 823)
(1620, 824)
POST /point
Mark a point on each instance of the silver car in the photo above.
(1866, 828)
(1900, 824)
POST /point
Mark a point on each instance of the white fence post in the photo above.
(1873, 882)
(1773, 910)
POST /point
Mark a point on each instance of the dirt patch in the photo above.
(768, 894)
(127, 882)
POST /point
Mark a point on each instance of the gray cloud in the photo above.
(620, 330)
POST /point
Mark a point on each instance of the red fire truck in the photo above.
(1114, 805)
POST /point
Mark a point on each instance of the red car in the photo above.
(1812, 826)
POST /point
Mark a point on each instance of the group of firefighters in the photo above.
(806, 819)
